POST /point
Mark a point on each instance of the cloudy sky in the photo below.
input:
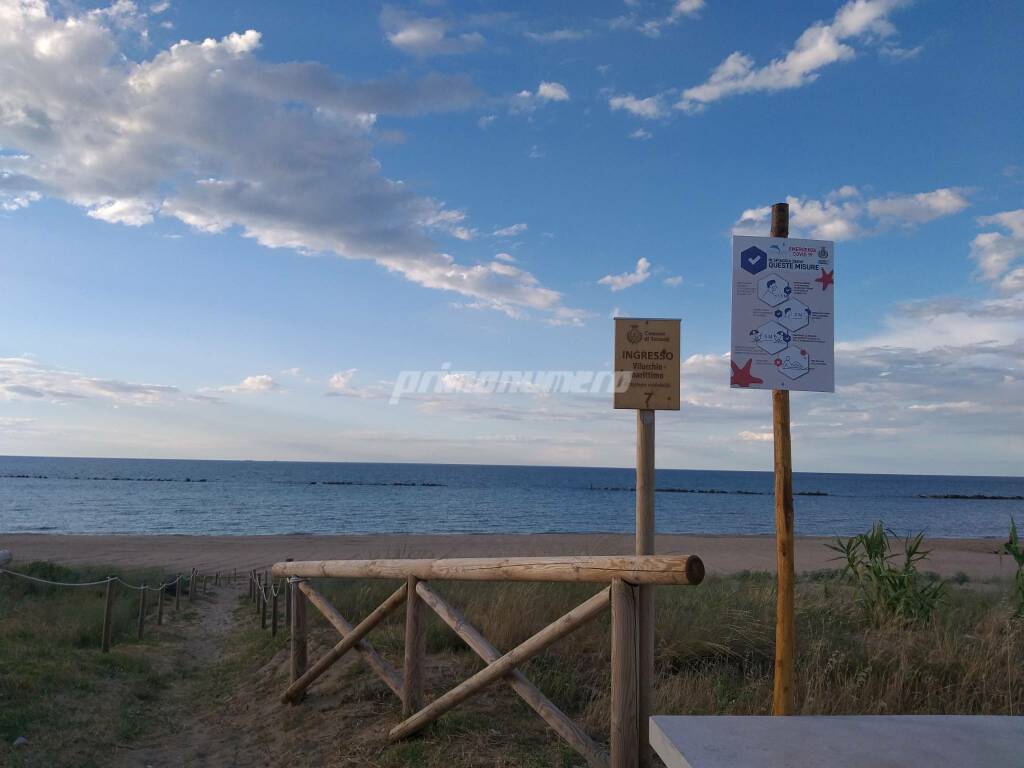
(226, 229)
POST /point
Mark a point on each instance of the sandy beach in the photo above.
(978, 558)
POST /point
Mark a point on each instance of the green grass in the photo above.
(714, 655)
(715, 647)
(57, 689)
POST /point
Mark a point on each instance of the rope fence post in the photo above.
(298, 630)
(273, 613)
(142, 611)
(191, 583)
(108, 614)
(160, 606)
(263, 605)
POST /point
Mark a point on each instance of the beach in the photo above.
(722, 554)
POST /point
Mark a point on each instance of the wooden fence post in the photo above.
(273, 614)
(625, 735)
(177, 592)
(298, 630)
(252, 586)
(142, 610)
(288, 600)
(191, 583)
(160, 606)
(108, 614)
(415, 650)
(783, 695)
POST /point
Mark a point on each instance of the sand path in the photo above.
(192, 731)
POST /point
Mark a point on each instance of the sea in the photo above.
(158, 496)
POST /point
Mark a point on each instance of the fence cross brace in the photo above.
(561, 723)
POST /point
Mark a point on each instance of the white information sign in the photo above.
(782, 314)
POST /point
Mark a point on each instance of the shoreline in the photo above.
(721, 553)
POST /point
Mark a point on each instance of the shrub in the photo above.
(1013, 549)
(890, 590)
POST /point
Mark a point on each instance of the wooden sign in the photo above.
(648, 350)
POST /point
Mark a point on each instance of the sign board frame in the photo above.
(647, 349)
(783, 314)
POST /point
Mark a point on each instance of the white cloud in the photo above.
(258, 384)
(527, 101)
(485, 121)
(641, 135)
(558, 35)
(505, 257)
(173, 136)
(27, 379)
(552, 92)
(679, 10)
(423, 36)
(758, 437)
(845, 213)
(650, 108)
(674, 281)
(513, 230)
(996, 252)
(131, 211)
(818, 46)
(628, 279)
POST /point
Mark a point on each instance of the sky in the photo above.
(228, 229)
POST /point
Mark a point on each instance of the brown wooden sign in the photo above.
(648, 350)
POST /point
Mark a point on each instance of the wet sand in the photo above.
(977, 558)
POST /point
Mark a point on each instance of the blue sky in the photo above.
(226, 229)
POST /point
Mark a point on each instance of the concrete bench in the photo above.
(898, 741)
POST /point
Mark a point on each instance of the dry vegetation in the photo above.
(714, 655)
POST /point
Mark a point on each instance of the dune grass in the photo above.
(714, 655)
(715, 647)
(57, 689)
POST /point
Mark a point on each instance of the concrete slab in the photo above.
(899, 741)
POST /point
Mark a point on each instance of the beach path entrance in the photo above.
(621, 577)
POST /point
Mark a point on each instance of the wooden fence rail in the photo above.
(621, 576)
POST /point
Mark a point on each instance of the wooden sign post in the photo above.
(785, 629)
(783, 340)
(647, 379)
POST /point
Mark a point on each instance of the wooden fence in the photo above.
(622, 575)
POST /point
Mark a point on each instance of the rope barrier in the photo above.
(51, 582)
(58, 583)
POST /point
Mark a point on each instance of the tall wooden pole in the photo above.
(783, 698)
(645, 597)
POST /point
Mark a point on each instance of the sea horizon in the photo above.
(250, 497)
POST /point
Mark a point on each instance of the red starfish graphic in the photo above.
(742, 377)
(826, 278)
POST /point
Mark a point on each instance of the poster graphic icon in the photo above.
(782, 314)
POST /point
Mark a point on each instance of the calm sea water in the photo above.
(240, 497)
